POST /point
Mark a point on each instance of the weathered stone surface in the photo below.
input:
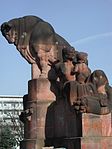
(96, 143)
(34, 115)
(39, 89)
(96, 125)
(97, 131)
(62, 123)
(31, 144)
(36, 41)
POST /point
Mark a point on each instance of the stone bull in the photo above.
(36, 41)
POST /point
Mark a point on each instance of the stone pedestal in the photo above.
(34, 115)
(52, 123)
(97, 131)
(96, 143)
(96, 125)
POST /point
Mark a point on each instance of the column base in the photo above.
(32, 144)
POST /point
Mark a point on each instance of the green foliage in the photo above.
(11, 132)
(8, 140)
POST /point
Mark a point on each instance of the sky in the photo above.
(85, 24)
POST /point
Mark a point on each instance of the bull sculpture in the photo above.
(42, 47)
(36, 41)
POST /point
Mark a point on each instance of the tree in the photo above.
(8, 140)
(11, 132)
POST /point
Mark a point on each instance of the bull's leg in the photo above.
(35, 71)
(44, 69)
(45, 54)
(43, 62)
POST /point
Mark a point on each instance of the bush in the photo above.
(8, 140)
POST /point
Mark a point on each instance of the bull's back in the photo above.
(61, 43)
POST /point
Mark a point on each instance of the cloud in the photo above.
(94, 37)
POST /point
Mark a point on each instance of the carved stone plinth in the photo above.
(96, 143)
(96, 125)
(97, 131)
(39, 89)
(34, 115)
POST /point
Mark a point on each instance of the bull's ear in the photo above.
(5, 27)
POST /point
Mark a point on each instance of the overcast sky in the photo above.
(85, 24)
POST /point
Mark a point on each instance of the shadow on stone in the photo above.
(63, 127)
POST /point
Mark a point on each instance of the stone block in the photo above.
(96, 125)
(39, 89)
(96, 143)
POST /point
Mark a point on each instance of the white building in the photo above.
(10, 106)
(10, 109)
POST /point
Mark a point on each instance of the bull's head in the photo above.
(8, 32)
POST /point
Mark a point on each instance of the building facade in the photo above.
(10, 106)
(10, 109)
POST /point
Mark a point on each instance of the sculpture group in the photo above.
(72, 82)
(38, 43)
